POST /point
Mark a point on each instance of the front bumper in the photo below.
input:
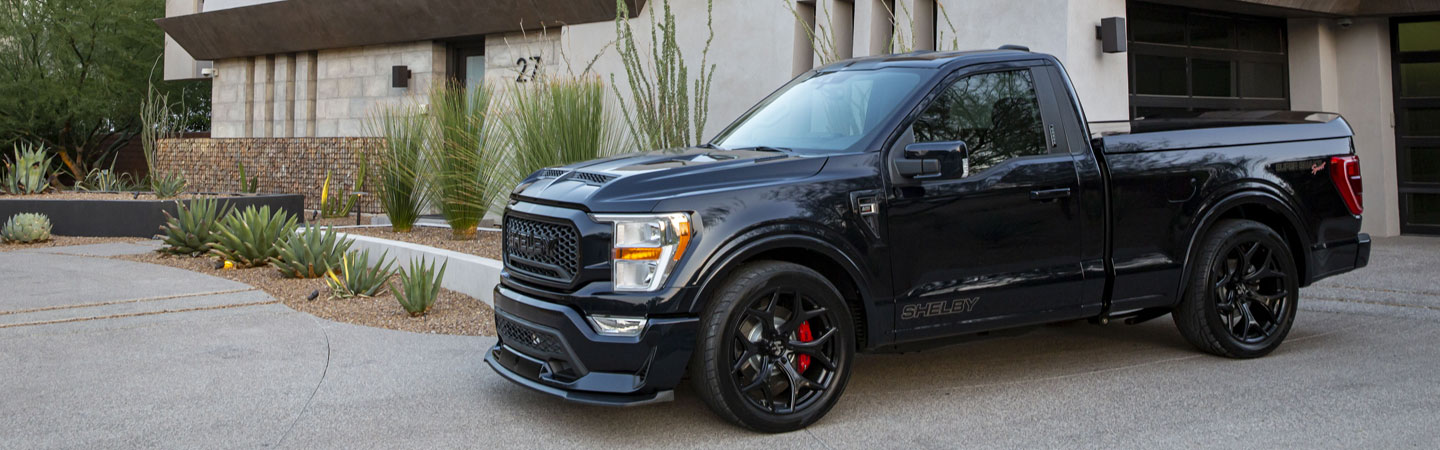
(550, 348)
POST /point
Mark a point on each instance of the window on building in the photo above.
(1185, 59)
(996, 114)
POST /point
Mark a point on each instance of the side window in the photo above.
(996, 114)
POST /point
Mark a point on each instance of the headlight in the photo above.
(646, 248)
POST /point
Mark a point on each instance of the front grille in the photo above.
(544, 250)
(535, 342)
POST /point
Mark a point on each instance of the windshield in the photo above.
(829, 112)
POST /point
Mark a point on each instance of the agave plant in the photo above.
(250, 238)
(419, 286)
(193, 229)
(26, 228)
(310, 253)
(28, 172)
(401, 160)
(358, 278)
(168, 185)
(340, 204)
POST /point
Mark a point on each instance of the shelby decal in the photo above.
(939, 308)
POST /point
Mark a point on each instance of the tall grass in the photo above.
(401, 160)
(558, 121)
(663, 111)
(465, 166)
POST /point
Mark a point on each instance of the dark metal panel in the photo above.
(302, 25)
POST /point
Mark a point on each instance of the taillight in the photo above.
(1345, 172)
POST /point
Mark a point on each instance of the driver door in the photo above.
(995, 243)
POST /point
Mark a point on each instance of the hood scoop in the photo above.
(597, 179)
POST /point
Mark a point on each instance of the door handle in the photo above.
(1049, 194)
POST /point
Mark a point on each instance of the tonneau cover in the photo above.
(1217, 129)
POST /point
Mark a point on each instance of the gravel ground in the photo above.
(453, 313)
(66, 241)
(486, 243)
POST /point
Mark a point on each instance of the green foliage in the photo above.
(659, 113)
(25, 228)
(358, 278)
(158, 122)
(108, 180)
(310, 253)
(419, 287)
(73, 73)
(193, 229)
(247, 187)
(464, 166)
(401, 158)
(555, 122)
(250, 238)
(168, 185)
(28, 172)
(341, 201)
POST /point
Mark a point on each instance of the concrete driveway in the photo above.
(104, 353)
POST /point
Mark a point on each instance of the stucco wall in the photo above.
(1348, 70)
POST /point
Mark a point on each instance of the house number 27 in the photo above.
(529, 69)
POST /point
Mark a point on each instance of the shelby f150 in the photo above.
(883, 203)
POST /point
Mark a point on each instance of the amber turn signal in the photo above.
(637, 254)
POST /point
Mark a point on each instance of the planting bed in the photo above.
(453, 313)
(94, 214)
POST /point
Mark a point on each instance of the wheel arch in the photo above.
(798, 245)
(1258, 205)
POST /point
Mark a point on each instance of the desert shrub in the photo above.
(558, 121)
(401, 161)
(463, 164)
(663, 110)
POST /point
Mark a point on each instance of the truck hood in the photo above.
(636, 182)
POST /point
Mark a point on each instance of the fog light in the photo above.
(618, 326)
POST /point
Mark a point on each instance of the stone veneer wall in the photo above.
(289, 166)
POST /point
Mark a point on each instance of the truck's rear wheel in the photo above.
(774, 349)
(1243, 292)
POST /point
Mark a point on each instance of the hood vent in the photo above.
(596, 179)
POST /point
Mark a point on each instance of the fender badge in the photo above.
(1319, 166)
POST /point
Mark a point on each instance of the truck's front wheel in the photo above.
(1243, 291)
(775, 347)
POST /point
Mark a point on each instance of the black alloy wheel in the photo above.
(775, 348)
(1243, 292)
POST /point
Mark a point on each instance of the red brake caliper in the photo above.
(804, 360)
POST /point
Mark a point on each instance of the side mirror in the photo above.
(949, 159)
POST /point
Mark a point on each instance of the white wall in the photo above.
(1063, 28)
(754, 41)
(216, 5)
(1348, 71)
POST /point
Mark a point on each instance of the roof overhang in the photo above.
(1315, 8)
(304, 25)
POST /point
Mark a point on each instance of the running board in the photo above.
(1135, 317)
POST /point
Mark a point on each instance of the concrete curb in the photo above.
(467, 274)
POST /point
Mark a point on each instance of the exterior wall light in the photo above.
(1111, 33)
(400, 77)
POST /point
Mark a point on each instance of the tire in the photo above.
(806, 356)
(1243, 291)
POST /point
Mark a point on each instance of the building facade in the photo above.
(319, 68)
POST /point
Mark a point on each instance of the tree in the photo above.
(73, 74)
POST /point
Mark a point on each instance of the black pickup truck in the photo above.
(899, 202)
